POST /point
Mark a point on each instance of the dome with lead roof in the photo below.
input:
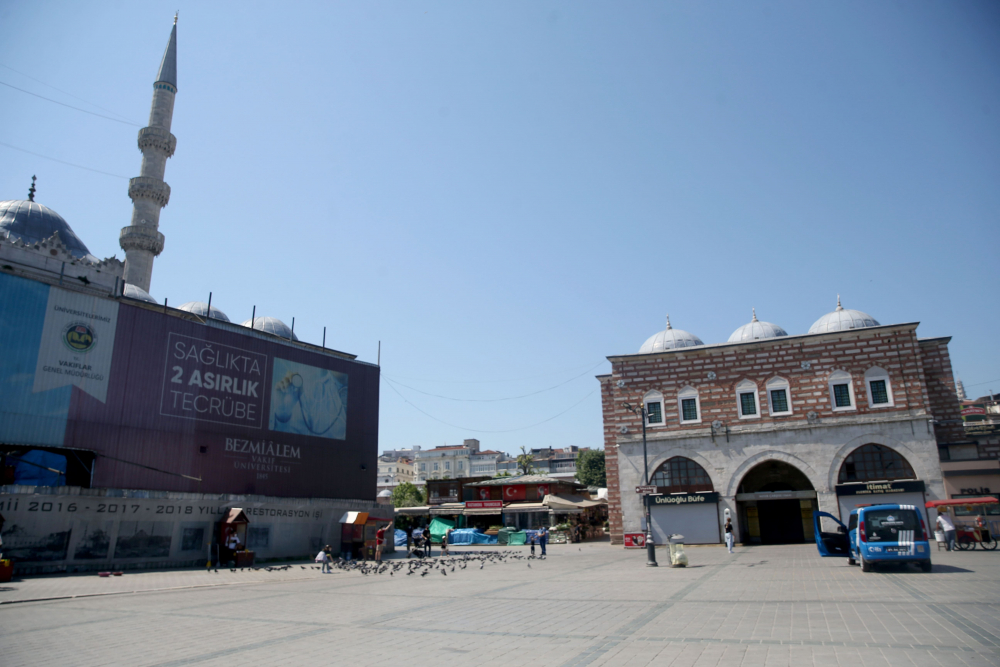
(271, 325)
(200, 308)
(756, 330)
(137, 293)
(669, 339)
(843, 319)
(33, 223)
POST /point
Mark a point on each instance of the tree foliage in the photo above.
(525, 462)
(590, 468)
(408, 495)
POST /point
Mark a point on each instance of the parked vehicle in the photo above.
(877, 534)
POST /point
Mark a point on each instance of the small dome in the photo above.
(33, 223)
(200, 308)
(669, 339)
(756, 330)
(385, 493)
(137, 293)
(272, 325)
(843, 319)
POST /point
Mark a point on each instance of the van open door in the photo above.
(831, 543)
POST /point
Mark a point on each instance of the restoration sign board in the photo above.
(158, 396)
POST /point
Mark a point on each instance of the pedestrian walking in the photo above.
(945, 524)
(427, 540)
(543, 538)
(380, 542)
(730, 538)
(533, 544)
(445, 541)
(324, 557)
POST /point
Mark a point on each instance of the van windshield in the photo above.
(886, 525)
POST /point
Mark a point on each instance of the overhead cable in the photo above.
(46, 157)
(521, 379)
(479, 430)
(494, 400)
(69, 106)
(60, 90)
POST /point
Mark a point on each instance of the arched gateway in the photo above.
(685, 502)
(775, 501)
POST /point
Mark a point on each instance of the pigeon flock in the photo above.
(408, 567)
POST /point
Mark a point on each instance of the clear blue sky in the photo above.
(503, 194)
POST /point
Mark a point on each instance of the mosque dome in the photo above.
(385, 493)
(200, 308)
(271, 325)
(33, 223)
(843, 319)
(756, 330)
(669, 339)
(137, 293)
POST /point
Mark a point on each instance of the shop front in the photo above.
(483, 514)
(907, 492)
(693, 515)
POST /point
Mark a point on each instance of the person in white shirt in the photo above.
(945, 524)
(324, 557)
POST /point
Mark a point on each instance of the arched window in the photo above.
(879, 388)
(746, 400)
(688, 406)
(841, 391)
(681, 475)
(779, 398)
(653, 401)
(870, 463)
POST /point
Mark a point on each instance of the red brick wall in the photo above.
(611, 460)
(940, 383)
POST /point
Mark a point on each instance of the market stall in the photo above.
(232, 540)
(976, 520)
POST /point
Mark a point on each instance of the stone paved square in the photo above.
(589, 604)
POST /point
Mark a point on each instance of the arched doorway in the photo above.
(874, 474)
(685, 503)
(775, 501)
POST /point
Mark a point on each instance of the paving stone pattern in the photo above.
(590, 604)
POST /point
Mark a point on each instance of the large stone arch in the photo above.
(773, 455)
(663, 457)
(912, 457)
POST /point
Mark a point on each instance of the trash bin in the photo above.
(677, 556)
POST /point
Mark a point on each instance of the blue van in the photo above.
(877, 534)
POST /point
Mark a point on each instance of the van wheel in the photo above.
(866, 566)
(925, 566)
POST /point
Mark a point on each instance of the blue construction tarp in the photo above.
(32, 469)
(470, 536)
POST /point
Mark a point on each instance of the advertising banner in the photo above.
(635, 540)
(210, 407)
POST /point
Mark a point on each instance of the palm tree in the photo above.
(525, 462)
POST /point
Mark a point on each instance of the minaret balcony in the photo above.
(141, 237)
(144, 187)
(158, 138)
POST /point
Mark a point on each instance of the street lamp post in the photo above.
(650, 547)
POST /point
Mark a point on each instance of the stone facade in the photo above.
(812, 435)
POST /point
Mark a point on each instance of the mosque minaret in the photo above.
(142, 240)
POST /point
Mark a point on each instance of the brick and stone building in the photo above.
(768, 427)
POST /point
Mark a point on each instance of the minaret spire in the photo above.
(31, 190)
(141, 240)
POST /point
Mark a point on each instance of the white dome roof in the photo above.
(756, 330)
(272, 325)
(843, 319)
(200, 308)
(669, 339)
(133, 292)
(385, 493)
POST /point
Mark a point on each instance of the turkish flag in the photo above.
(515, 492)
(543, 490)
(484, 493)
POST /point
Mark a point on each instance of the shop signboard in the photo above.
(683, 499)
(635, 540)
(168, 403)
(880, 488)
(483, 504)
(975, 412)
(645, 490)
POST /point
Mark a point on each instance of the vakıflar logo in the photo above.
(79, 338)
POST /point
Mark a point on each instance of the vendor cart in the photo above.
(972, 519)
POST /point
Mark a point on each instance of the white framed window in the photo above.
(688, 406)
(447, 465)
(423, 467)
(746, 400)
(461, 465)
(435, 466)
(779, 397)
(653, 402)
(879, 388)
(841, 391)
